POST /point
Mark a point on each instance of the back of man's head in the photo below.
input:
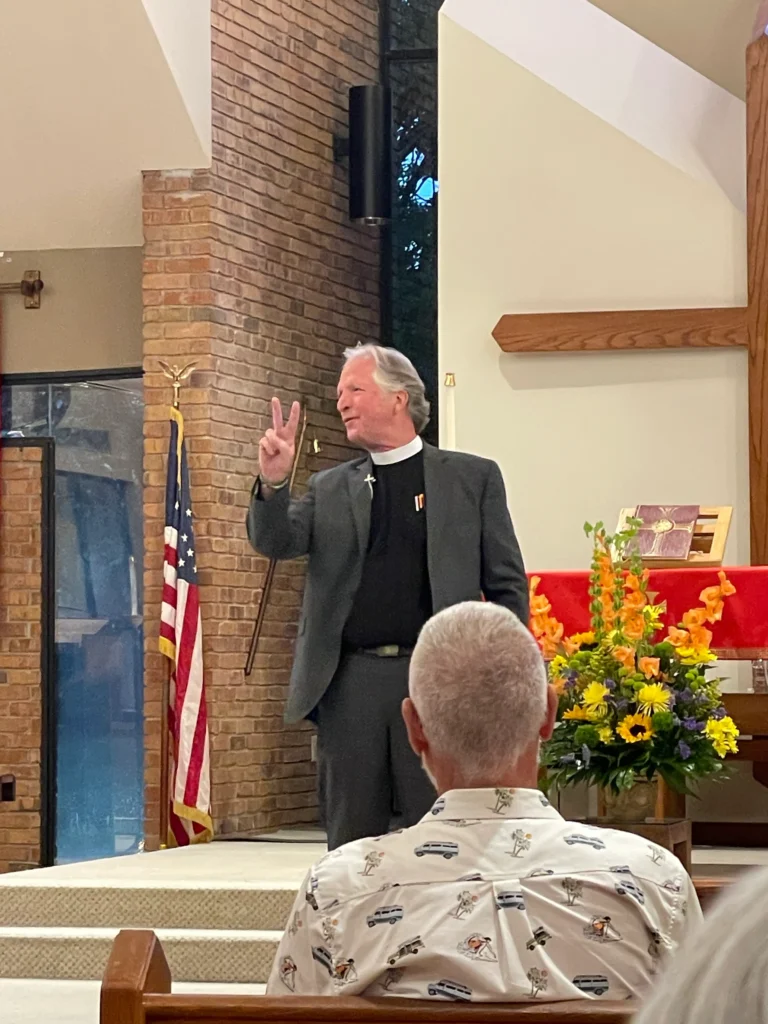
(478, 682)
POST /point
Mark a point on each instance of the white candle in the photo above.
(450, 412)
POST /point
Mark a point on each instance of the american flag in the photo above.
(181, 640)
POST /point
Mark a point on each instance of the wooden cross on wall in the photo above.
(694, 328)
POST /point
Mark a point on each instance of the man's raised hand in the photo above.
(277, 447)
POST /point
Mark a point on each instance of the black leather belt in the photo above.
(385, 651)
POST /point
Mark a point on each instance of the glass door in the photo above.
(97, 430)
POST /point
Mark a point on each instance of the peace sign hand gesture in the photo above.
(278, 446)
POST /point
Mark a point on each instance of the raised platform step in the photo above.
(194, 955)
(77, 905)
(242, 886)
(26, 1001)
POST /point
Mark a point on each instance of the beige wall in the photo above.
(90, 317)
(544, 207)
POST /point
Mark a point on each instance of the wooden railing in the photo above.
(137, 990)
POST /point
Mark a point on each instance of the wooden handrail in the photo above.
(329, 1010)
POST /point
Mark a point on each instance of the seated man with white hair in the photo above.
(493, 896)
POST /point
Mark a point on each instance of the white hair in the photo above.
(478, 682)
(396, 372)
(720, 972)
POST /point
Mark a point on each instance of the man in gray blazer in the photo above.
(392, 538)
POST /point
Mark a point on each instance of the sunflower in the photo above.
(593, 700)
(635, 728)
(653, 697)
(578, 713)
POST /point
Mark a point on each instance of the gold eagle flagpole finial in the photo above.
(177, 376)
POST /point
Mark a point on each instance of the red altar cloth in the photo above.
(745, 617)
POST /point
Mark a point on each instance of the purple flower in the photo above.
(622, 704)
(684, 696)
(718, 713)
(610, 683)
(683, 750)
(692, 725)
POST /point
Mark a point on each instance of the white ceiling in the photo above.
(91, 94)
(709, 35)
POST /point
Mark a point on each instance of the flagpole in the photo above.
(176, 376)
(164, 760)
(269, 577)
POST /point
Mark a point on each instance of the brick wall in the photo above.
(253, 269)
(20, 684)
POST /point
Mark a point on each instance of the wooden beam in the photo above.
(622, 330)
(757, 256)
(760, 24)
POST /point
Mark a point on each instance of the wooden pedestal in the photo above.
(673, 834)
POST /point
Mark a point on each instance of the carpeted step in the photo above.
(194, 955)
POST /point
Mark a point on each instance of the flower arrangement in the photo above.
(633, 704)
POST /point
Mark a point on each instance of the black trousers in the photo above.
(369, 778)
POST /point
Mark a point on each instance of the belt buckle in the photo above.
(388, 651)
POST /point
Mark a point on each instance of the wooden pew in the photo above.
(137, 990)
(708, 889)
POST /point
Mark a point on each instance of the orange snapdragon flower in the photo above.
(678, 637)
(700, 637)
(625, 656)
(695, 617)
(634, 627)
(712, 597)
(649, 667)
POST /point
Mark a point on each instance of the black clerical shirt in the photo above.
(394, 599)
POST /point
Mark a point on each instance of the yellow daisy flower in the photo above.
(577, 713)
(605, 732)
(557, 665)
(583, 638)
(653, 697)
(695, 655)
(723, 733)
(635, 728)
(593, 699)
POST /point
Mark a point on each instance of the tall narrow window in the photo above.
(409, 265)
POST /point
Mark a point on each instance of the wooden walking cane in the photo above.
(271, 568)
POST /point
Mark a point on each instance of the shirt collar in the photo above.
(476, 804)
(400, 454)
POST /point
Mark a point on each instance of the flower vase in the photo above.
(631, 805)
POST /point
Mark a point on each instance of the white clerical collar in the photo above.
(398, 454)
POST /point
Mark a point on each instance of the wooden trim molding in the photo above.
(622, 330)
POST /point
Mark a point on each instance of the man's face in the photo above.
(369, 413)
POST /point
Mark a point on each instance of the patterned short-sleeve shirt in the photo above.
(493, 896)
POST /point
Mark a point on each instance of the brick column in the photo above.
(253, 269)
(20, 652)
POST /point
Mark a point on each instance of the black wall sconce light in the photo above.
(369, 149)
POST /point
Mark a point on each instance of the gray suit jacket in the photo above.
(471, 550)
